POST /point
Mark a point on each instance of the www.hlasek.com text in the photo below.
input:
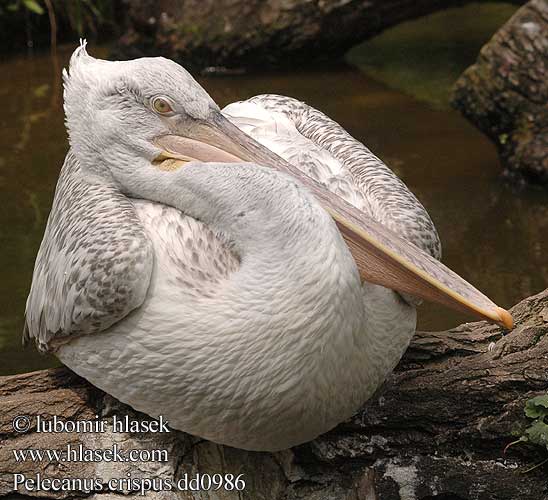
(80, 453)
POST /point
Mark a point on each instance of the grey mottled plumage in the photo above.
(94, 265)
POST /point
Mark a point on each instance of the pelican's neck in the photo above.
(283, 238)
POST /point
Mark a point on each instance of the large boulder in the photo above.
(505, 93)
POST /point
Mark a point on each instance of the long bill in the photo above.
(381, 255)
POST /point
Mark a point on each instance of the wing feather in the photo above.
(94, 264)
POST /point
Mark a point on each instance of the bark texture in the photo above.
(505, 93)
(436, 430)
(251, 33)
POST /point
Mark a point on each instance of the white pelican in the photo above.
(218, 293)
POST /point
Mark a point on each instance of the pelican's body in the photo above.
(222, 295)
(317, 350)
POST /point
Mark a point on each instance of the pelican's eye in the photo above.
(161, 106)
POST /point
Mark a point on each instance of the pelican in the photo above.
(190, 271)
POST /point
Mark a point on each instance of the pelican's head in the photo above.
(117, 112)
(128, 120)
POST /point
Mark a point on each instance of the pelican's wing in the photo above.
(94, 263)
(324, 151)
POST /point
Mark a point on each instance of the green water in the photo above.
(494, 237)
(425, 56)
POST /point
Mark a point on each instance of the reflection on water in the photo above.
(494, 237)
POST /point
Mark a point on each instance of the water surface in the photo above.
(425, 56)
(496, 238)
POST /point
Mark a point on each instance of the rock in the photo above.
(505, 93)
(436, 430)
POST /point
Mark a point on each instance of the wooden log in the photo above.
(436, 430)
